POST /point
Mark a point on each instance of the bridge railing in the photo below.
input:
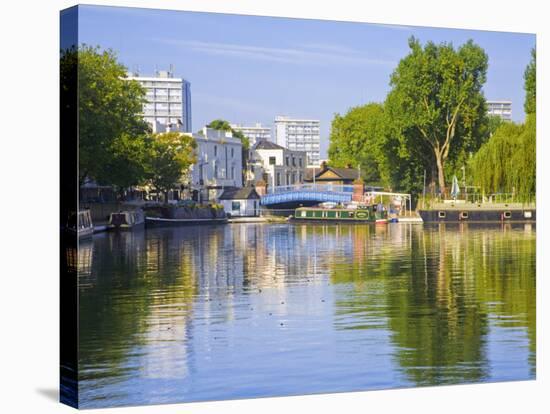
(334, 188)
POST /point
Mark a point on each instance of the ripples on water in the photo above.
(219, 312)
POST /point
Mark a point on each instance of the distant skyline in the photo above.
(249, 69)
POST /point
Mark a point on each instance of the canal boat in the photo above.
(479, 212)
(80, 224)
(126, 220)
(184, 215)
(360, 214)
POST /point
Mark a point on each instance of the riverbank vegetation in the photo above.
(116, 145)
(507, 162)
(434, 124)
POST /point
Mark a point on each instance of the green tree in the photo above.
(493, 123)
(356, 139)
(222, 125)
(127, 164)
(169, 157)
(109, 110)
(530, 77)
(366, 136)
(436, 104)
(507, 162)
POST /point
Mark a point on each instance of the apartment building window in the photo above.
(286, 162)
(293, 162)
(300, 164)
(215, 150)
(272, 161)
(215, 171)
(278, 179)
(232, 173)
(232, 152)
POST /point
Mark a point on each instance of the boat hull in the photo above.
(126, 220)
(324, 220)
(478, 215)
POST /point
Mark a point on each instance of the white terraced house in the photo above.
(219, 163)
(276, 165)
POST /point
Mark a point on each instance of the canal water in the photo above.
(249, 310)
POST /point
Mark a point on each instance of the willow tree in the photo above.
(530, 77)
(436, 101)
(507, 162)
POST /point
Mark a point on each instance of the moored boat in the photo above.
(361, 214)
(184, 215)
(126, 220)
(80, 224)
(479, 212)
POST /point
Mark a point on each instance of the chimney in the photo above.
(261, 187)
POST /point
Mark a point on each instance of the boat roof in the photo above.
(334, 209)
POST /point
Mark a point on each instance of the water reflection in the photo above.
(202, 313)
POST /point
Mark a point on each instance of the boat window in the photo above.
(351, 214)
(527, 214)
(303, 213)
(507, 214)
(463, 214)
(442, 214)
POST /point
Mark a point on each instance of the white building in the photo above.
(299, 135)
(276, 165)
(254, 133)
(240, 201)
(500, 108)
(219, 163)
(168, 106)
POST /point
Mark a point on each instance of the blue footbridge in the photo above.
(306, 194)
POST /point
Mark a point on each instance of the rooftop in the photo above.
(343, 173)
(235, 193)
(267, 145)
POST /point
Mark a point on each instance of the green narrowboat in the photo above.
(363, 214)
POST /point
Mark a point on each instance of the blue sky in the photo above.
(249, 69)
